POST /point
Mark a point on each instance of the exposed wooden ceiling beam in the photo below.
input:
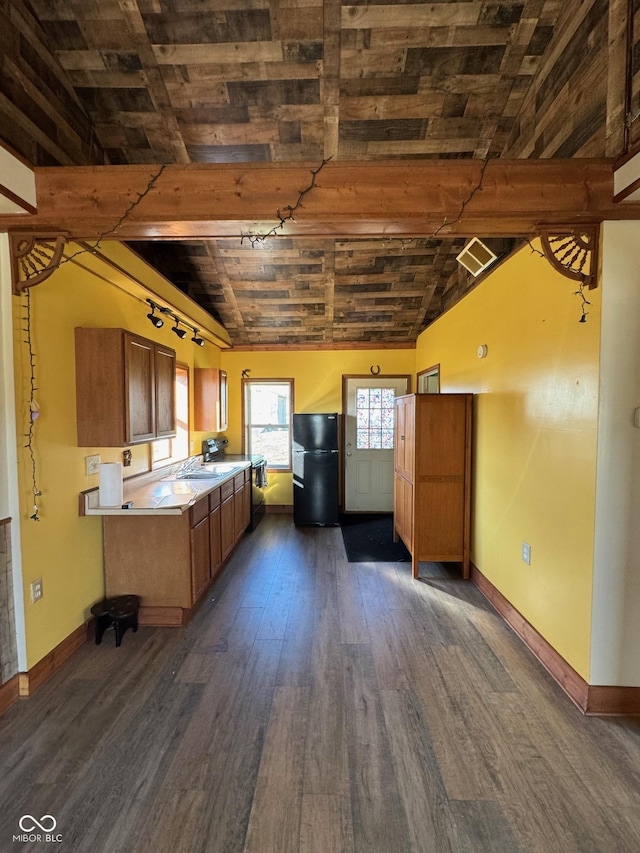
(395, 198)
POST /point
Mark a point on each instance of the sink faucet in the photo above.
(189, 464)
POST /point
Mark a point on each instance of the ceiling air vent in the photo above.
(476, 257)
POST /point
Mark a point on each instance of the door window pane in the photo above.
(374, 418)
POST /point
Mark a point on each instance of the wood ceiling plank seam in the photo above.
(434, 37)
(370, 17)
(330, 77)
(33, 132)
(81, 61)
(96, 79)
(329, 258)
(134, 22)
(617, 78)
(230, 53)
(231, 302)
(28, 28)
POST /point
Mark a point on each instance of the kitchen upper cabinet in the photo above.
(165, 379)
(432, 494)
(125, 388)
(210, 400)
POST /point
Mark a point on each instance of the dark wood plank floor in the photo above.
(314, 705)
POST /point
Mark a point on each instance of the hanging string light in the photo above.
(34, 408)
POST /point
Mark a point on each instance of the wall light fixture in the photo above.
(158, 322)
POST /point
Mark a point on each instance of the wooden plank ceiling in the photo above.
(179, 81)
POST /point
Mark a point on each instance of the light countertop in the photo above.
(165, 493)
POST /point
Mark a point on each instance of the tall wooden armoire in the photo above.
(432, 482)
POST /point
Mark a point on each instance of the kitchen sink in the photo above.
(208, 471)
(219, 468)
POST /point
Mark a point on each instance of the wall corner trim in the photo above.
(588, 698)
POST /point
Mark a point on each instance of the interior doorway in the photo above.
(429, 380)
(367, 459)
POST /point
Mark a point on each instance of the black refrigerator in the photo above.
(315, 469)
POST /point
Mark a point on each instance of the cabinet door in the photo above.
(227, 526)
(215, 541)
(101, 410)
(165, 392)
(210, 399)
(442, 462)
(140, 385)
(404, 436)
(200, 560)
(406, 498)
(242, 510)
(246, 504)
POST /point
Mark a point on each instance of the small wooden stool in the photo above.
(121, 612)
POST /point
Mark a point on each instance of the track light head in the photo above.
(181, 333)
(158, 322)
(197, 340)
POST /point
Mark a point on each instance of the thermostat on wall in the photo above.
(483, 349)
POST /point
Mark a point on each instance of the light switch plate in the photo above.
(91, 464)
(526, 553)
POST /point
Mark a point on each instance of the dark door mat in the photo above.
(368, 538)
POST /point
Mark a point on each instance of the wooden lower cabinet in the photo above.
(215, 540)
(227, 519)
(200, 560)
(170, 560)
(403, 510)
(242, 502)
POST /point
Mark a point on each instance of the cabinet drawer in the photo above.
(198, 512)
(214, 499)
(226, 490)
(238, 481)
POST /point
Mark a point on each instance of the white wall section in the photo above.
(615, 635)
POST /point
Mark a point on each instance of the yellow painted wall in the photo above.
(534, 451)
(317, 376)
(63, 549)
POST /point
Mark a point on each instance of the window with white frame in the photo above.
(268, 404)
(164, 451)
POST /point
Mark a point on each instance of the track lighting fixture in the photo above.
(158, 322)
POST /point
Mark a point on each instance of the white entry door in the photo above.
(368, 451)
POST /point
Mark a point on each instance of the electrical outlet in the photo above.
(36, 591)
(526, 553)
(91, 464)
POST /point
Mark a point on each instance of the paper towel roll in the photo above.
(110, 487)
